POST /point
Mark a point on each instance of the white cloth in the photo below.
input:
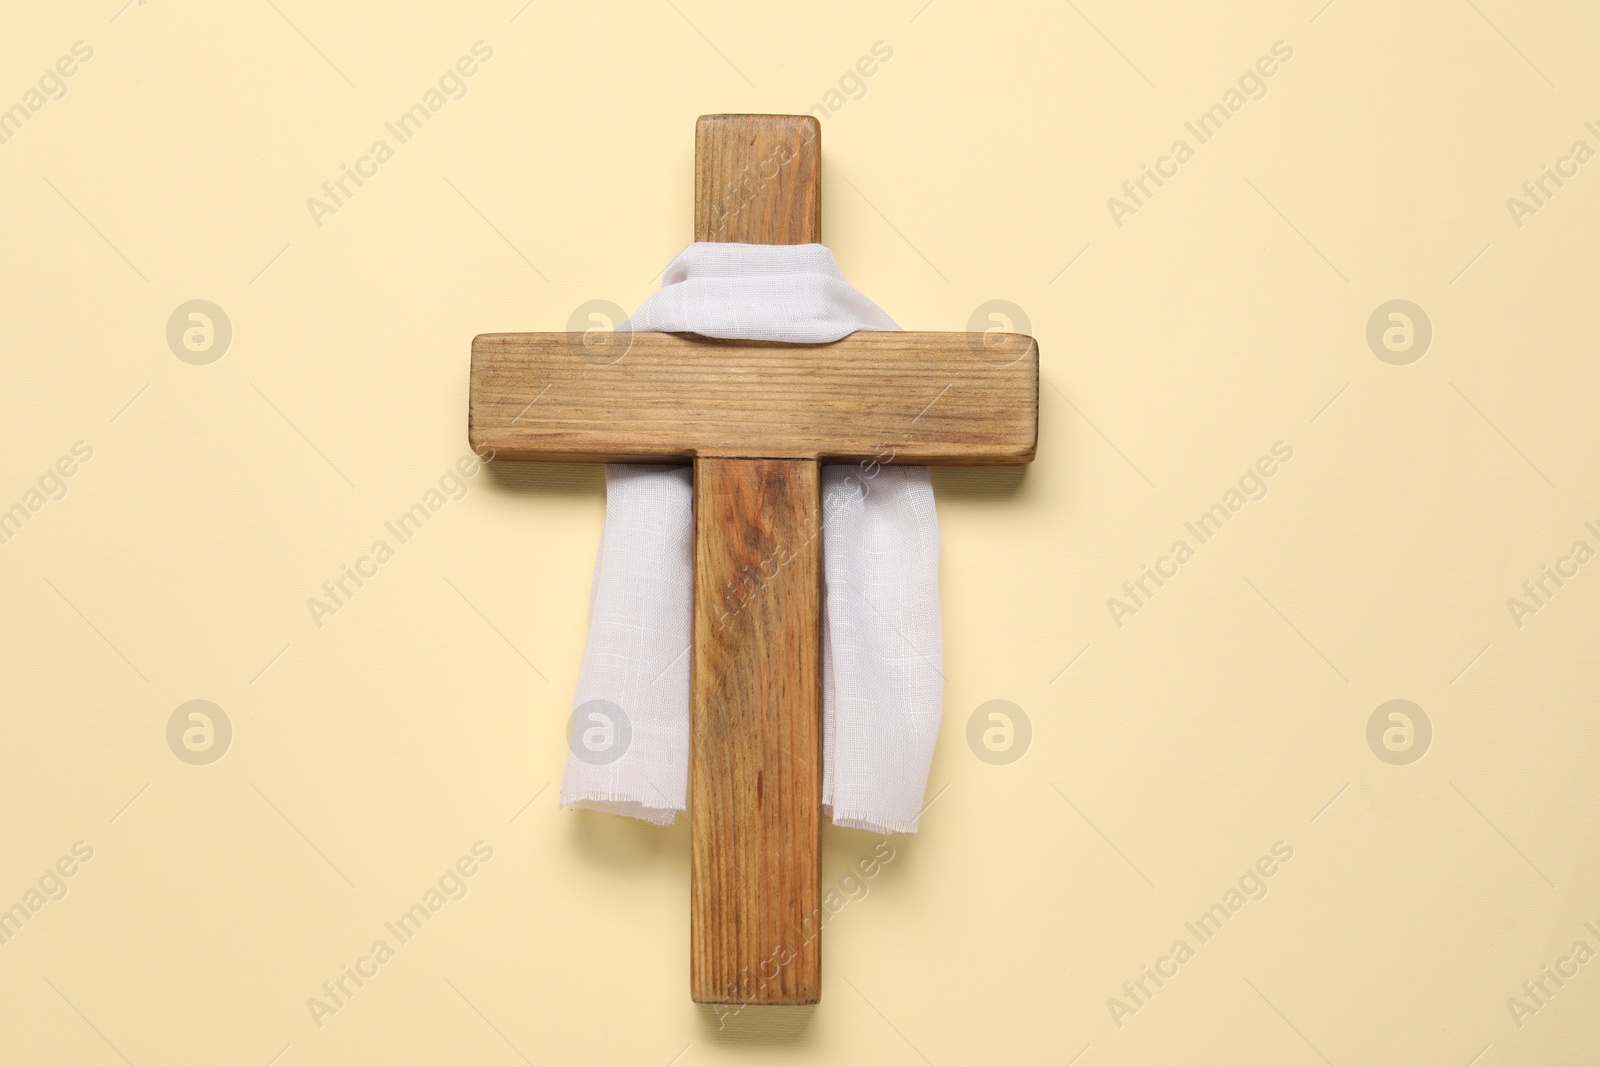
(883, 652)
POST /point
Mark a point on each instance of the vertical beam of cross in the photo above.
(755, 772)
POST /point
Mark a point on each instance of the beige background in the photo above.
(1167, 755)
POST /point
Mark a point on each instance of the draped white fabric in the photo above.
(883, 652)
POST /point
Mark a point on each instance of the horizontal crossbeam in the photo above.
(923, 398)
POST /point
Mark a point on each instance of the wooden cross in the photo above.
(758, 420)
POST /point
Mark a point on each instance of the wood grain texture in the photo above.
(755, 770)
(930, 398)
(755, 719)
(758, 179)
